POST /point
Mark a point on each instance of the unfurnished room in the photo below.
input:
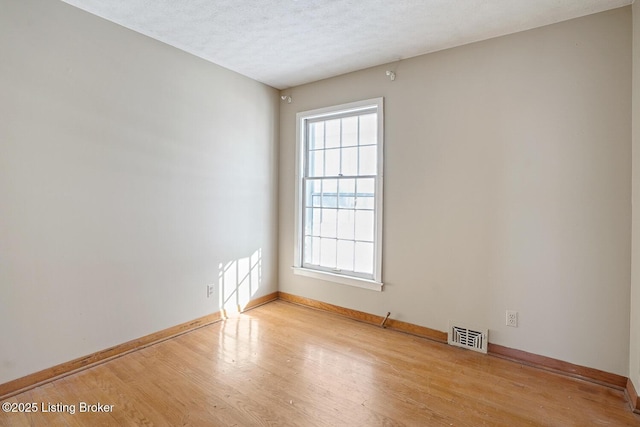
(320, 213)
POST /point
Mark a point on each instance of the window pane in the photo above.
(332, 167)
(368, 129)
(366, 186)
(312, 196)
(348, 186)
(350, 161)
(332, 133)
(346, 224)
(368, 160)
(363, 262)
(330, 193)
(328, 253)
(350, 131)
(330, 186)
(346, 201)
(308, 250)
(316, 163)
(366, 202)
(316, 135)
(345, 255)
(315, 250)
(365, 193)
(328, 224)
(347, 189)
(308, 221)
(316, 220)
(364, 225)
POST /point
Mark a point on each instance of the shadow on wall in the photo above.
(238, 281)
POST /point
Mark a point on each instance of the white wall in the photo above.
(634, 354)
(129, 172)
(507, 186)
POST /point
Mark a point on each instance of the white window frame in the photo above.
(302, 118)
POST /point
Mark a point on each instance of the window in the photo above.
(339, 194)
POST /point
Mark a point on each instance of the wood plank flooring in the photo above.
(286, 365)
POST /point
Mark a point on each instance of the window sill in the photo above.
(337, 278)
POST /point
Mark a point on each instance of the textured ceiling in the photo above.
(285, 43)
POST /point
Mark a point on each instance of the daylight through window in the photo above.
(340, 192)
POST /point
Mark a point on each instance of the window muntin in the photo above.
(339, 198)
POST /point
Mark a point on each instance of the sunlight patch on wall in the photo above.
(239, 281)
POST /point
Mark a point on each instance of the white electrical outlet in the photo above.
(512, 318)
(210, 290)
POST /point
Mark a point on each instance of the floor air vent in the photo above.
(474, 339)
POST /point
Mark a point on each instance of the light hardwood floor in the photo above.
(287, 365)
